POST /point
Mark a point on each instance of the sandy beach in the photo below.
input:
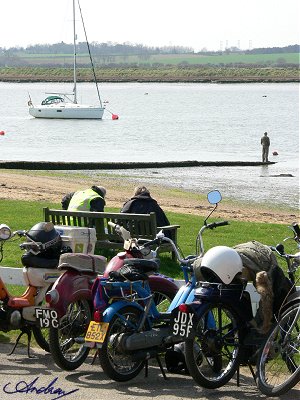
(45, 186)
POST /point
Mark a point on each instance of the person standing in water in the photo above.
(265, 142)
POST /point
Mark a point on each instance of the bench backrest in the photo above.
(139, 225)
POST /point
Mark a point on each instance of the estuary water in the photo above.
(168, 122)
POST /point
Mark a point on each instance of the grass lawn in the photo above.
(29, 213)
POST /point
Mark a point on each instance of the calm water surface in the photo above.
(166, 122)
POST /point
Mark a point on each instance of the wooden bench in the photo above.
(141, 226)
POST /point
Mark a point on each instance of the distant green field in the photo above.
(162, 73)
(165, 59)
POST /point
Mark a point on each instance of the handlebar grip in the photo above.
(222, 223)
(112, 224)
(31, 246)
(216, 224)
(296, 228)
(21, 233)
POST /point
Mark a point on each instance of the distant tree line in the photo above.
(126, 49)
(111, 55)
(295, 48)
(97, 49)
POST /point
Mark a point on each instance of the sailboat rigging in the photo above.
(60, 105)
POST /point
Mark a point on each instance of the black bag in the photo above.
(175, 360)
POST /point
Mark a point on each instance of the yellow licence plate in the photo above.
(96, 332)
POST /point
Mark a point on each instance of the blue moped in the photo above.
(127, 327)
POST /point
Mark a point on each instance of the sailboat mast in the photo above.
(75, 61)
(91, 59)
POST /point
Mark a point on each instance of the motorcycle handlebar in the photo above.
(20, 233)
(296, 229)
(36, 247)
(216, 224)
(152, 242)
(279, 249)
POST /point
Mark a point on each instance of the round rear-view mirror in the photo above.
(5, 232)
(214, 197)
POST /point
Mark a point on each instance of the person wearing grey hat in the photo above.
(91, 199)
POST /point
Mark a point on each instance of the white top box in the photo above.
(79, 239)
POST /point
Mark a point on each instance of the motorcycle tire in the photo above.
(67, 341)
(41, 337)
(117, 364)
(213, 355)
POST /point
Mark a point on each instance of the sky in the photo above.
(198, 24)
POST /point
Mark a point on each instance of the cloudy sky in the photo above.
(193, 23)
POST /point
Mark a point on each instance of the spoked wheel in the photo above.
(213, 355)
(41, 337)
(67, 341)
(117, 364)
(162, 300)
(278, 367)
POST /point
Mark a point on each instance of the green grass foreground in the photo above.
(25, 214)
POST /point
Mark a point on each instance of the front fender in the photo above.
(163, 284)
(114, 308)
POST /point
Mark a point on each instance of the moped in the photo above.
(234, 338)
(70, 299)
(127, 327)
(40, 260)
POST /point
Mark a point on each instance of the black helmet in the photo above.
(45, 234)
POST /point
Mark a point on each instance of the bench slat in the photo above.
(139, 225)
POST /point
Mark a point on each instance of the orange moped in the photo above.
(43, 247)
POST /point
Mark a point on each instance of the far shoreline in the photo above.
(158, 74)
(212, 81)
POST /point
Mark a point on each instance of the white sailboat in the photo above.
(64, 105)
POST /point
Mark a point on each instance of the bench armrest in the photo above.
(170, 227)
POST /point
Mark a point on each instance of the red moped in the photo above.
(71, 297)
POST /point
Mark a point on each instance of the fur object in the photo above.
(264, 288)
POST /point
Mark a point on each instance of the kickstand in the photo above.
(252, 371)
(161, 367)
(146, 368)
(238, 376)
(28, 333)
(95, 356)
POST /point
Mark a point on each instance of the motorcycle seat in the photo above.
(135, 269)
(143, 265)
(82, 262)
(32, 261)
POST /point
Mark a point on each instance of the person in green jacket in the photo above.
(92, 199)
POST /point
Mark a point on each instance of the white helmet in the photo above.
(221, 263)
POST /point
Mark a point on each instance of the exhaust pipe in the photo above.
(147, 339)
(144, 355)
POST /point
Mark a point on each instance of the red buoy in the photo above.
(2, 133)
(114, 116)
